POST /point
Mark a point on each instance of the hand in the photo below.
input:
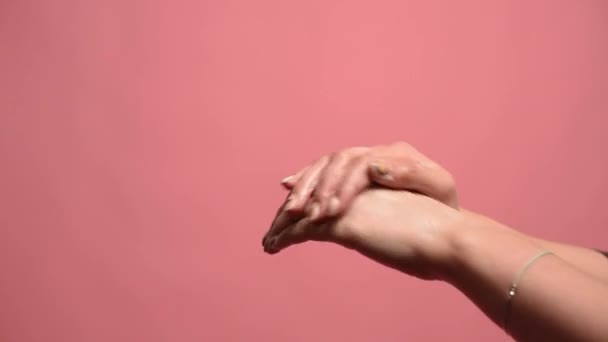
(407, 231)
(326, 188)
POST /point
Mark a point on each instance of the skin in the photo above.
(398, 166)
(424, 237)
(324, 189)
(342, 175)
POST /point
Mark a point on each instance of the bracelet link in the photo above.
(513, 290)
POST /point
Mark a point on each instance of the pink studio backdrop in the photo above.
(142, 144)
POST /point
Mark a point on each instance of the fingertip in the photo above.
(270, 246)
(345, 203)
(314, 211)
(333, 206)
(270, 251)
(287, 182)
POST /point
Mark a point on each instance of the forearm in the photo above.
(555, 300)
(585, 259)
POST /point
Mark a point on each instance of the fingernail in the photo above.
(272, 244)
(315, 210)
(333, 205)
(267, 244)
(380, 169)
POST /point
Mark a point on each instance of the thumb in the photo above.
(390, 176)
(430, 181)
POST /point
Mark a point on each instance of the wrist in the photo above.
(477, 242)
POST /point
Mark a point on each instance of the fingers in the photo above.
(293, 234)
(325, 201)
(280, 222)
(289, 182)
(353, 184)
(306, 185)
(325, 189)
(288, 229)
(298, 232)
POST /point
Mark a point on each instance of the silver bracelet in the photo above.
(513, 289)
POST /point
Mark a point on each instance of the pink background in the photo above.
(142, 143)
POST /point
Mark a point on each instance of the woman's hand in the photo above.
(328, 186)
(424, 235)
(407, 231)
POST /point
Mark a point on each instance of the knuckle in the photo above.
(351, 152)
(365, 157)
(449, 180)
(358, 150)
(322, 194)
(347, 191)
(345, 154)
(448, 184)
(408, 168)
(332, 156)
(402, 145)
(322, 190)
(324, 159)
